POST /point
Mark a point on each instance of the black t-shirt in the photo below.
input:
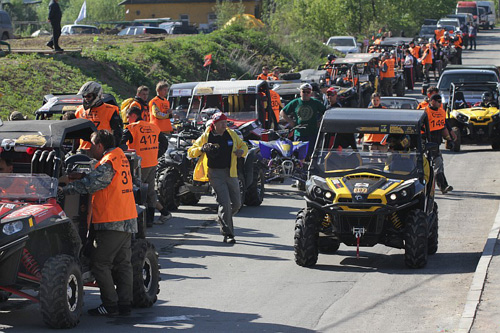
(220, 158)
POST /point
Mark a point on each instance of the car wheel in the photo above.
(190, 198)
(416, 239)
(146, 272)
(432, 245)
(61, 292)
(306, 238)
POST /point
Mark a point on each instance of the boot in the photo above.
(150, 216)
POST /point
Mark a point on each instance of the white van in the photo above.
(489, 8)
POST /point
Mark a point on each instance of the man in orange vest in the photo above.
(437, 127)
(104, 116)
(141, 101)
(426, 61)
(265, 73)
(275, 75)
(160, 108)
(387, 74)
(114, 219)
(445, 40)
(375, 140)
(146, 139)
(458, 42)
(439, 32)
(415, 52)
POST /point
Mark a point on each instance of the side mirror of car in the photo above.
(432, 147)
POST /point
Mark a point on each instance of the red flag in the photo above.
(208, 60)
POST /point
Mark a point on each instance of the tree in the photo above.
(226, 9)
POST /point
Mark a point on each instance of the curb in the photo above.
(477, 285)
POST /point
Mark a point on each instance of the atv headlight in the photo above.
(460, 116)
(401, 195)
(12, 227)
(328, 195)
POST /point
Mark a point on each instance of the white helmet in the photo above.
(431, 40)
(91, 88)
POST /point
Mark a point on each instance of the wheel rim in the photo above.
(72, 292)
(147, 274)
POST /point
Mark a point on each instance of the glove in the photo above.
(205, 148)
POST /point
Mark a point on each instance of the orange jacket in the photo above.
(415, 51)
(145, 142)
(262, 76)
(439, 33)
(427, 55)
(159, 111)
(272, 77)
(100, 116)
(436, 118)
(115, 202)
(443, 41)
(458, 42)
(144, 109)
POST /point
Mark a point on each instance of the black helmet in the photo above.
(398, 141)
(331, 57)
(487, 97)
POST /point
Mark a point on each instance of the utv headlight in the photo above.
(12, 227)
(401, 195)
(460, 117)
(328, 195)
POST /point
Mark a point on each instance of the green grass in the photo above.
(123, 64)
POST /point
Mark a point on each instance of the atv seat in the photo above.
(341, 161)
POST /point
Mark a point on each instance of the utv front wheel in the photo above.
(61, 292)
(146, 274)
(432, 245)
(306, 238)
(416, 239)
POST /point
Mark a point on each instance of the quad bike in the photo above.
(366, 198)
(45, 235)
(283, 158)
(174, 177)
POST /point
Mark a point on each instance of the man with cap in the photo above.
(307, 111)
(16, 115)
(275, 75)
(219, 149)
(265, 73)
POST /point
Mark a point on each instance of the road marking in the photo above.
(477, 285)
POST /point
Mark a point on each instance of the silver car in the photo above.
(6, 28)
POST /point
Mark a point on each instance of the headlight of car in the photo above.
(12, 227)
(460, 116)
(400, 195)
(317, 188)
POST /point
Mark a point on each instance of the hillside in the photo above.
(122, 63)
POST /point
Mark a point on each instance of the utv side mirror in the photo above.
(432, 147)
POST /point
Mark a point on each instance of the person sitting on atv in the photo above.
(487, 101)
(403, 162)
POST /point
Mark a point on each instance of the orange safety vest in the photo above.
(415, 51)
(443, 41)
(145, 142)
(439, 33)
(273, 77)
(100, 116)
(436, 118)
(162, 105)
(374, 138)
(422, 105)
(116, 201)
(262, 76)
(390, 69)
(427, 56)
(144, 108)
(458, 42)
(275, 103)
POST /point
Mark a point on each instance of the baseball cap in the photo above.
(331, 91)
(218, 117)
(305, 86)
(16, 115)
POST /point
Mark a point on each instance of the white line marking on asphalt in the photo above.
(477, 285)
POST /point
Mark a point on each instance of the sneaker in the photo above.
(103, 312)
(229, 239)
(163, 219)
(447, 189)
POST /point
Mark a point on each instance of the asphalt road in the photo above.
(255, 285)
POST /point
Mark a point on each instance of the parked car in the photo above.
(427, 31)
(179, 28)
(142, 30)
(449, 21)
(6, 28)
(79, 29)
(464, 18)
(490, 17)
(344, 44)
(470, 7)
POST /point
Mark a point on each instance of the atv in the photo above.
(366, 198)
(471, 122)
(45, 236)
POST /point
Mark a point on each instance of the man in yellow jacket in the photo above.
(220, 148)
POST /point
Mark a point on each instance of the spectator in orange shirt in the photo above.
(159, 108)
(265, 73)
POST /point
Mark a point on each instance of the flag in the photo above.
(83, 12)
(208, 60)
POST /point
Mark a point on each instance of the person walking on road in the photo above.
(408, 69)
(55, 16)
(472, 36)
(114, 220)
(148, 141)
(220, 148)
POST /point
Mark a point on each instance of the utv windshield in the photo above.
(341, 42)
(27, 187)
(238, 107)
(446, 80)
(392, 163)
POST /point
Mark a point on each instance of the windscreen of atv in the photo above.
(27, 186)
(393, 164)
(447, 79)
(238, 107)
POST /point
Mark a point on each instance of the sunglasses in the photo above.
(306, 91)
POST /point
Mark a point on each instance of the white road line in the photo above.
(477, 285)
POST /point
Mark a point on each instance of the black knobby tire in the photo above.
(328, 245)
(190, 199)
(416, 239)
(432, 240)
(61, 292)
(306, 238)
(400, 88)
(146, 274)
(168, 183)
(255, 192)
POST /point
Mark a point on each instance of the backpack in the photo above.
(124, 107)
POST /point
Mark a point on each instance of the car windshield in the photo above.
(428, 30)
(392, 162)
(448, 22)
(27, 187)
(341, 42)
(447, 79)
(470, 10)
